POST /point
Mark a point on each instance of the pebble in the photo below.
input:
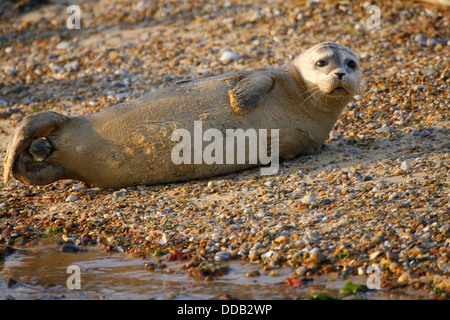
(316, 256)
(385, 129)
(445, 231)
(405, 166)
(171, 296)
(391, 256)
(414, 252)
(374, 255)
(64, 45)
(121, 73)
(78, 187)
(72, 66)
(269, 184)
(428, 72)
(308, 199)
(431, 42)
(10, 70)
(394, 266)
(312, 236)
(222, 256)
(301, 271)
(333, 137)
(118, 194)
(261, 214)
(255, 16)
(268, 254)
(282, 239)
(72, 198)
(120, 248)
(425, 133)
(404, 277)
(117, 85)
(216, 183)
(68, 239)
(69, 247)
(420, 39)
(228, 56)
(252, 274)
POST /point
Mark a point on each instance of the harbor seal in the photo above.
(132, 143)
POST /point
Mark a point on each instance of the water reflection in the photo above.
(40, 272)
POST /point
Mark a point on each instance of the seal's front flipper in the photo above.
(249, 91)
(295, 142)
(28, 149)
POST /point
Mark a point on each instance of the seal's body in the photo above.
(132, 143)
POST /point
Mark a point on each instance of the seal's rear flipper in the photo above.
(27, 170)
(249, 91)
(40, 149)
(26, 154)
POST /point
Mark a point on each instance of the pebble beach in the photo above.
(376, 195)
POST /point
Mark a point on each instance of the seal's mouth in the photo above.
(340, 90)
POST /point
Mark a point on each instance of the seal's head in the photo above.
(331, 72)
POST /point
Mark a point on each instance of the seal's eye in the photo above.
(351, 64)
(321, 63)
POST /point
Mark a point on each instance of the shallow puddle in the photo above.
(41, 272)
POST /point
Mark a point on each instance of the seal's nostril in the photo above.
(340, 75)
